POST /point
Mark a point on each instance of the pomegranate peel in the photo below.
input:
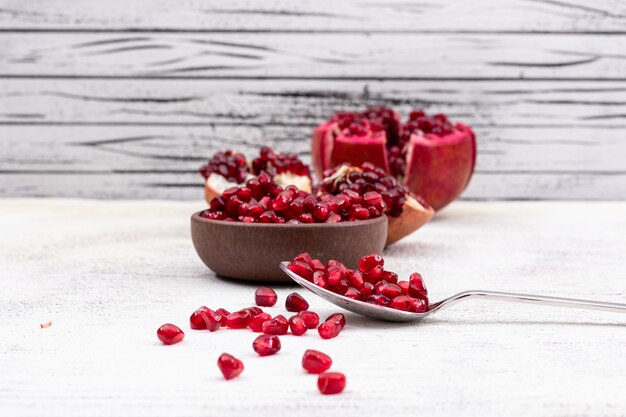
(432, 156)
(414, 215)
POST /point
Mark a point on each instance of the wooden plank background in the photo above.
(125, 99)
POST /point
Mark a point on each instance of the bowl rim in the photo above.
(195, 217)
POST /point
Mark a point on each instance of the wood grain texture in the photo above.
(107, 274)
(314, 55)
(316, 16)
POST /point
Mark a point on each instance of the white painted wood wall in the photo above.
(125, 99)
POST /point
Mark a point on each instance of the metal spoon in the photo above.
(390, 314)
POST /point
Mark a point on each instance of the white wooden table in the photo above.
(107, 274)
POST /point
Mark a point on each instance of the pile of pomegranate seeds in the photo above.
(262, 201)
(370, 283)
(367, 186)
(268, 343)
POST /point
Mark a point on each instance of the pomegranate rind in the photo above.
(414, 215)
(439, 169)
(355, 150)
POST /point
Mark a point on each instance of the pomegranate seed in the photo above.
(224, 313)
(303, 257)
(297, 326)
(277, 326)
(418, 305)
(230, 366)
(417, 288)
(238, 319)
(328, 330)
(404, 286)
(401, 302)
(353, 293)
(170, 334)
(331, 383)
(311, 319)
(333, 262)
(372, 198)
(373, 275)
(367, 289)
(319, 279)
(266, 345)
(390, 277)
(334, 276)
(256, 323)
(377, 299)
(317, 265)
(316, 362)
(321, 211)
(265, 297)
(359, 213)
(254, 311)
(205, 319)
(295, 302)
(333, 218)
(301, 269)
(368, 262)
(337, 318)
(388, 290)
(355, 279)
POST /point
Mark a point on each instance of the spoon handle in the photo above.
(531, 299)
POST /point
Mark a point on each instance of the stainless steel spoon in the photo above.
(390, 314)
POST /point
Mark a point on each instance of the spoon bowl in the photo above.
(391, 314)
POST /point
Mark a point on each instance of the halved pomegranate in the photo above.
(228, 169)
(371, 187)
(430, 155)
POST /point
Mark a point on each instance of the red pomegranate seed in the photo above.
(205, 319)
(374, 275)
(388, 290)
(367, 289)
(317, 265)
(277, 326)
(390, 277)
(353, 293)
(170, 334)
(401, 302)
(417, 288)
(404, 286)
(319, 279)
(368, 262)
(377, 299)
(297, 326)
(316, 362)
(265, 297)
(334, 275)
(337, 318)
(256, 323)
(333, 262)
(295, 302)
(355, 279)
(311, 319)
(331, 383)
(266, 345)
(418, 305)
(230, 366)
(239, 319)
(328, 330)
(301, 269)
(224, 313)
(254, 311)
(303, 257)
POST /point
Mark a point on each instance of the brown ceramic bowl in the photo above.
(253, 251)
